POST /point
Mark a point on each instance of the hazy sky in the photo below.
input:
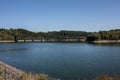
(51, 15)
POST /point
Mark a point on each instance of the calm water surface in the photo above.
(68, 61)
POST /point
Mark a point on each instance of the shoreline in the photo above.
(8, 72)
(22, 41)
(7, 41)
(107, 41)
(99, 41)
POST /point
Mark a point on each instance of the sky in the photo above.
(56, 15)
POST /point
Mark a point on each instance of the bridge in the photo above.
(49, 39)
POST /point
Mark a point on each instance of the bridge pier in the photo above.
(41, 39)
(15, 38)
(32, 39)
(24, 39)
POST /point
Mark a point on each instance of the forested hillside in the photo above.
(9, 34)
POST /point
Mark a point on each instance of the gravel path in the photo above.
(9, 72)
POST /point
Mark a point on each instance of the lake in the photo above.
(67, 61)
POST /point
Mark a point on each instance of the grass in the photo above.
(107, 77)
(29, 76)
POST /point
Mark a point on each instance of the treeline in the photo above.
(9, 34)
(104, 35)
